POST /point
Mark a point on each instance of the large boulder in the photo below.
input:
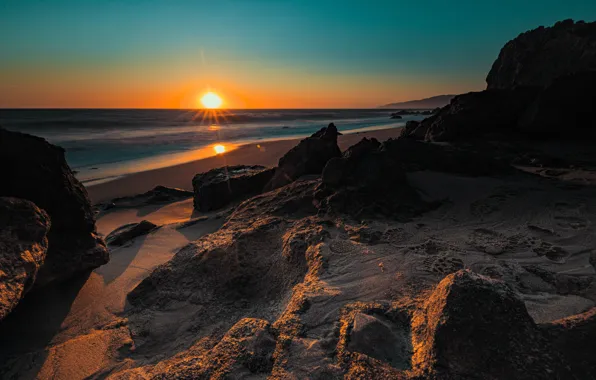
(23, 247)
(565, 109)
(537, 57)
(368, 180)
(475, 327)
(33, 169)
(493, 113)
(155, 196)
(218, 187)
(308, 157)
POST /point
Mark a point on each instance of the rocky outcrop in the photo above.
(475, 327)
(219, 187)
(309, 157)
(565, 109)
(157, 195)
(493, 113)
(358, 184)
(35, 170)
(540, 87)
(23, 247)
(128, 232)
(245, 351)
(539, 56)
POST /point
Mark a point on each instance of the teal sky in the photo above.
(268, 53)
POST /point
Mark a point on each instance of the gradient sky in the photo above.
(256, 53)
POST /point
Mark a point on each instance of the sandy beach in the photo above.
(180, 176)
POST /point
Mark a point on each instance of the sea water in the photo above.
(102, 144)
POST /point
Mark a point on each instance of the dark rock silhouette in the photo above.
(540, 87)
(539, 56)
(155, 196)
(23, 247)
(128, 232)
(35, 170)
(309, 157)
(218, 187)
(475, 327)
(469, 116)
(566, 107)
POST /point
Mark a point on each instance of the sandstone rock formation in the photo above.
(35, 170)
(128, 232)
(539, 56)
(218, 187)
(472, 326)
(23, 247)
(308, 157)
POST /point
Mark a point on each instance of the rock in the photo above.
(566, 109)
(309, 157)
(23, 248)
(475, 327)
(245, 351)
(394, 116)
(128, 232)
(378, 339)
(413, 130)
(218, 187)
(35, 170)
(357, 184)
(574, 337)
(493, 113)
(537, 57)
(158, 195)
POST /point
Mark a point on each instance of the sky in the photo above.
(256, 53)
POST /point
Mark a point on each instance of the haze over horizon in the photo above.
(257, 54)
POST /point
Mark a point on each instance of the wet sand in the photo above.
(180, 176)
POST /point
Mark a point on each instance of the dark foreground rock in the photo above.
(23, 247)
(308, 157)
(537, 57)
(475, 327)
(35, 170)
(566, 109)
(493, 113)
(157, 195)
(219, 187)
(128, 232)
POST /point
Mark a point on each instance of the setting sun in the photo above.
(211, 100)
(219, 149)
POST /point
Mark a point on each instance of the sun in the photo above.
(219, 149)
(211, 100)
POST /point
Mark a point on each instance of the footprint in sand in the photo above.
(491, 242)
(571, 222)
(432, 248)
(442, 264)
(396, 236)
(342, 246)
(493, 203)
(551, 252)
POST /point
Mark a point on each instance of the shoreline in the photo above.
(265, 153)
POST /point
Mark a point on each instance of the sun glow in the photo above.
(211, 100)
(219, 149)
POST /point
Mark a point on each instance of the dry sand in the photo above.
(180, 176)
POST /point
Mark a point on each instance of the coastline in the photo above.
(265, 153)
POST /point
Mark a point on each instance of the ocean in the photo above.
(103, 144)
